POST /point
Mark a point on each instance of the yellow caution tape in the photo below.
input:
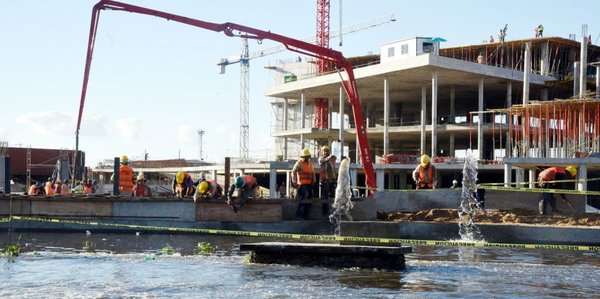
(314, 237)
(541, 190)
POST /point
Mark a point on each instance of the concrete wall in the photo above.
(417, 200)
(528, 201)
(495, 233)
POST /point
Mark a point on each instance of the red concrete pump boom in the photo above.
(245, 32)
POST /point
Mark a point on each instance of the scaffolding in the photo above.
(561, 128)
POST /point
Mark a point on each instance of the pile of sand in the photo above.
(512, 217)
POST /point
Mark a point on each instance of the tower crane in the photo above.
(244, 61)
(348, 81)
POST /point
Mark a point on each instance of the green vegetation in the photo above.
(12, 250)
(167, 249)
(204, 248)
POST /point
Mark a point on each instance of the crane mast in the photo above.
(326, 54)
(244, 100)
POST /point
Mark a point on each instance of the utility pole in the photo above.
(200, 134)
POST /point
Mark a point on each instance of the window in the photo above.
(428, 47)
(391, 51)
(404, 49)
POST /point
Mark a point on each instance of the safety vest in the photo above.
(305, 175)
(33, 190)
(549, 174)
(142, 191)
(425, 180)
(88, 188)
(125, 178)
(64, 189)
(249, 181)
(48, 188)
(327, 172)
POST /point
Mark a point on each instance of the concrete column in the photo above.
(480, 146)
(386, 117)
(583, 63)
(532, 178)
(452, 149)
(508, 144)
(575, 78)
(545, 59)
(423, 118)
(402, 179)
(116, 162)
(285, 127)
(213, 175)
(526, 73)
(341, 132)
(582, 175)
(302, 118)
(272, 181)
(380, 176)
(434, 109)
(288, 181)
(519, 177)
(353, 176)
(544, 94)
(507, 174)
(452, 105)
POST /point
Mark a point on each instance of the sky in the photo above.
(154, 83)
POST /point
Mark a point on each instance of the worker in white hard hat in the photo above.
(328, 173)
(303, 178)
(425, 175)
(454, 184)
(141, 189)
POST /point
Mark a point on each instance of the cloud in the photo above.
(93, 125)
(129, 127)
(48, 122)
(3, 134)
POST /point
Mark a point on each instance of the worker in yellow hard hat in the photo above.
(303, 178)
(125, 177)
(141, 189)
(554, 178)
(424, 175)
(208, 189)
(183, 185)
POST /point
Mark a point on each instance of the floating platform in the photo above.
(328, 255)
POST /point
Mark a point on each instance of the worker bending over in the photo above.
(208, 189)
(246, 187)
(183, 185)
(547, 180)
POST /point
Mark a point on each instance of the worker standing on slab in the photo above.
(553, 178)
(183, 185)
(425, 175)
(49, 187)
(539, 31)
(208, 189)
(303, 178)
(328, 173)
(246, 186)
(125, 177)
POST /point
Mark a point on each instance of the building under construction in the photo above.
(499, 99)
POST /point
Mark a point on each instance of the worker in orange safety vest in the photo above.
(303, 178)
(425, 175)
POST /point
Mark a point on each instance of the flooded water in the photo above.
(128, 265)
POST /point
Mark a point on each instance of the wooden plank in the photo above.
(252, 212)
(71, 208)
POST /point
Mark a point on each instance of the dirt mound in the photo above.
(512, 217)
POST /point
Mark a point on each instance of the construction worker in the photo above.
(88, 188)
(49, 187)
(454, 184)
(208, 189)
(425, 175)
(183, 185)
(34, 189)
(328, 173)
(246, 186)
(548, 179)
(303, 178)
(125, 177)
(141, 189)
(539, 31)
